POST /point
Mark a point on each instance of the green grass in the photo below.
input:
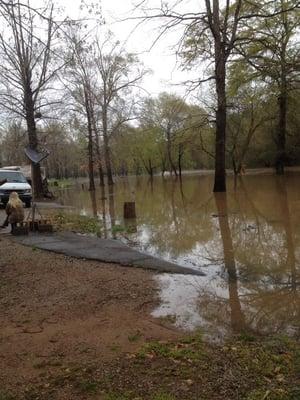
(60, 183)
(6, 396)
(77, 223)
(134, 337)
(192, 349)
(131, 396)
(87, 386)
(187, 368)
(163, 396)
(115, 348)
(119, 396)
(118, 229)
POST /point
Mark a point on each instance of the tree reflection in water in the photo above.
(247, 243)
(237, 317)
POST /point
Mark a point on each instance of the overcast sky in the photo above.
(161, 58)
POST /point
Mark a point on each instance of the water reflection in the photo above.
(247, 243)
(236, 315)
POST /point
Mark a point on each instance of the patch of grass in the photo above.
(168, 319)
(87, 386)
(187, 368)
(6, 396)
(135, 337)
(179, 351)
(60, 183)
(246, 337)
(163, 396)
(77, 223)
(45, 364)
(115, 347)
(120, 396)
(266, 394)
(118, 228)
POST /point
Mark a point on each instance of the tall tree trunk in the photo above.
(169, 151)
(104, 221)
(163, 166)
(111, 209)
(234, 166)
(36, 176)
(150, 169)
(98, 150)
(281, 129)
(94, 203)
(220, 74)
(282, 98)
(91, 159)
(180, 154)
(106, 146)
(90, 143)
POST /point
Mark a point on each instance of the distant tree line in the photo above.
(79, 93)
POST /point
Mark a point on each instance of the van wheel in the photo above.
(27, 204)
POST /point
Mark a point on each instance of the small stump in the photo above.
(129, 210)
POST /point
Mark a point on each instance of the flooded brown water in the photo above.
(246, 242)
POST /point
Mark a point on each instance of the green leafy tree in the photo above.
(271, 50)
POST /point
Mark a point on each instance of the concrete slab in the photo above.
(105, 250)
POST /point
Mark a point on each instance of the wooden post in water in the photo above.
(129, 210)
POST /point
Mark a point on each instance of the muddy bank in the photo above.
(56, 310)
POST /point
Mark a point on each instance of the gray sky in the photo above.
(160, 59)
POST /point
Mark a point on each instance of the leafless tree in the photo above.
(79, 82)
(26, 67)
(119, 73)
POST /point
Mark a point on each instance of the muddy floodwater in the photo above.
(247, 242)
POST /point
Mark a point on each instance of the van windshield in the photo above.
(12, 176)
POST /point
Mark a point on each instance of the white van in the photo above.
(15, 182)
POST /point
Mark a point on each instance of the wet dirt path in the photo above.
(58, 310)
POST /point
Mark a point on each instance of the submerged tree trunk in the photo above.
(98, 150)
(90, 143)
(149, 167)
(106, 147)
(180, 155)
(94, 203)
(169, 152)
(163, 165)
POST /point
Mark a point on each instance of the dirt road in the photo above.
(56, 310)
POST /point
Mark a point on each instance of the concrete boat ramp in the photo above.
(105, 250)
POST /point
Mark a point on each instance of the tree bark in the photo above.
(98, 150)
(180, 155)
(169, 152)
(220, 73)
(36, 176)
(281, 130)
(90, 143)
(281, 157)
(106, 146)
